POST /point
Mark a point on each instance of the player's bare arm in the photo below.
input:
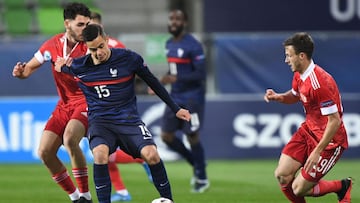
(286, 98)
(168, 79)
(23, 70)
(183, 114)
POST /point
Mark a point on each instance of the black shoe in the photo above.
(344, 194)
(200, 186)
(75, 201)
(84, 200)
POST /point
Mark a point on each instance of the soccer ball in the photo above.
(162, 200)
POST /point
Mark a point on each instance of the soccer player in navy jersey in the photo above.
(321, 139)
(187, 76)
(106, 76)
(119, 156)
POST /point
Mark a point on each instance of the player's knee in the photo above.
(167, 137)
(150, 155)
(45, 155)
(101, 154)
(70, 141)
(100, 157)
(193, 138)
(298, 190)
(282, 178)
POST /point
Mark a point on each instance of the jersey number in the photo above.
(102, 91)
(145, 132)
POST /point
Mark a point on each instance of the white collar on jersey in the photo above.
(309, 69)
(65, 47)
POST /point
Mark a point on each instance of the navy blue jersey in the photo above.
(187, 61)
(109, 86)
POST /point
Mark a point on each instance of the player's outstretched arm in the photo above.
(270, 95)
(183, 114)
(286, 98)
(23, 70)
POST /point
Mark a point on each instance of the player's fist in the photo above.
(269, 95)
(183, 114)
(18, 69)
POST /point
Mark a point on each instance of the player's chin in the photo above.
(80, 39)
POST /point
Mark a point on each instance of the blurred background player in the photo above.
(68, 122)
(119, 156)
(187, 76)
(320, 141)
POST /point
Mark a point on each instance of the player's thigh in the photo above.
(49, 144)
(328, 159)
(133, 138)
(78, 122)
(169, 122)
(74, 131)
(287, 168)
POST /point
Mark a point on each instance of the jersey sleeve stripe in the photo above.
(178, 60)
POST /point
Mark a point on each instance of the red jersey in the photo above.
(50, 50)
(320, 97)
(114, 43)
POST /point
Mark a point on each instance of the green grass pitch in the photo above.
(232, 181)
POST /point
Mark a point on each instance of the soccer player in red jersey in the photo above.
(320, 141)
(68, 123)
(119, 156)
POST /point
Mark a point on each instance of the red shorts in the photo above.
(302, 144)
(63, 113)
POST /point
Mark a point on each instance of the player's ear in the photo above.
(67, 24)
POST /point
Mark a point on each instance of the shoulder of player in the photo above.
(124, 52)
(115, 43)
(80, 61)
(54, 39)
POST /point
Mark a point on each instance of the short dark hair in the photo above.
(185, 15)
(95, 15)
(92, 31)
(302, 42)
(71, 10)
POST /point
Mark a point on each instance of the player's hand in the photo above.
(150, 91)
(19, 69)
(183, 114)
(312, 161)
(168, 79)
(270, 95)
(60, 62)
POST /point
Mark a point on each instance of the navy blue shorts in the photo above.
(130, 138)
(170, 123)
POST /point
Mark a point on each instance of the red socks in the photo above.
(289, 193)
(63, 179)
(119, 156)
(115, 176)
(81, 177)
(324, 187)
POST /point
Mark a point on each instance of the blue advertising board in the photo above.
(236, 127)
(250, 63)
(281, 15)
